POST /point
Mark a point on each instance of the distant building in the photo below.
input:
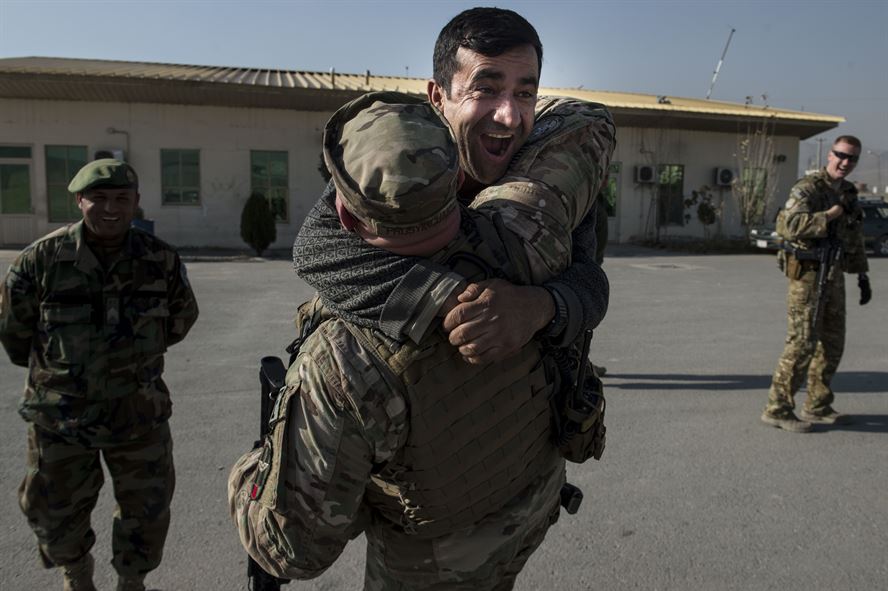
(203, 138)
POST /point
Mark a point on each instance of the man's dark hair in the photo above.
(849, 139)
(488, 31)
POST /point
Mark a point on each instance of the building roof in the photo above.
(119, 81)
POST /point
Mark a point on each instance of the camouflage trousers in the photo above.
(62, 486)
(485, 557)
(801, 357)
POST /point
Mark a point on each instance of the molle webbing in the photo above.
(479, 435)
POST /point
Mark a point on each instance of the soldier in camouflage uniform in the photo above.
(822, 207)
(90, 310)
(447, 466)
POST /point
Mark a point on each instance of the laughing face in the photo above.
(107, 212)
(490, 108)
(841, 160)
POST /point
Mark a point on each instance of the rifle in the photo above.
(272, 374)
(828, 256)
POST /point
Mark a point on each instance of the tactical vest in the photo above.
(478, 435)
(848, 228)
(102, 332)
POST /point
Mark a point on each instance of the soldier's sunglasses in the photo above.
(852, 158)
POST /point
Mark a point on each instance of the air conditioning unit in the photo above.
(645, 174)
(724, 177)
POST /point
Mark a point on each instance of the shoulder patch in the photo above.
(545, 127)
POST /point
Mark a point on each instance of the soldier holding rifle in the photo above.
(822, 228)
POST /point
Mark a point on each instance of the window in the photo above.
(670, 189)
(268, 176)
(15, 179)
(180, 177)
(875, 213)
(62, 163)
(611, 189)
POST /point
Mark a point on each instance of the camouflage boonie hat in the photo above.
(393, 161)
(106, 172)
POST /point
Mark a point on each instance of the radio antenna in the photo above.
(719, 64)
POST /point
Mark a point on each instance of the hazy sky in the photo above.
(822, 56)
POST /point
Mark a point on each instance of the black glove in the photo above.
(866, 292)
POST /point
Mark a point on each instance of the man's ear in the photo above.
(78, 197)
(347, 220)
(137, 199)
(436, 94)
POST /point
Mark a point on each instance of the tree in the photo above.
(707, 212)
(257, 223)
(756, 182)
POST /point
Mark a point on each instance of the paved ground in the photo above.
(693, 492)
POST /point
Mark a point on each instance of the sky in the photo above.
(823, 56)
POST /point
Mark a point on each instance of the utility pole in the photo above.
(719, 64)
(878, 155)
(819, 152)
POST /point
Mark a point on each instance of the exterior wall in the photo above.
(700, 152)
(223, 135)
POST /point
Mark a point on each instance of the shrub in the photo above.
(257, 223)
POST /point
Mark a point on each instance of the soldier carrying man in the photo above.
(90, 310)
(449, 467)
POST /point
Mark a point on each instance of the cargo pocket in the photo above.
(66, 347)
(68, 331)
(149, 315)
(793, 268)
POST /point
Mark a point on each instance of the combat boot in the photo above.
(827, 416)
(78, 576)
(131, 583)
(789, 423)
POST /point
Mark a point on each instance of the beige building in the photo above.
(203, 138)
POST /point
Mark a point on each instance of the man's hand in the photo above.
(834, 212)
(495, 318)
(866, 292)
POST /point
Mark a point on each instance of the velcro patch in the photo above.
(545, 127)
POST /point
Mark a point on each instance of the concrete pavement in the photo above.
(693, 491)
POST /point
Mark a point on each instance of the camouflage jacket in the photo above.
(803, 224)
(93, 339)
(336, 424)
(567, 153)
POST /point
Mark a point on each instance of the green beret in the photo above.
(393, 161)
(106, 172)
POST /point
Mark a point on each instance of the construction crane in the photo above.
(719, 64)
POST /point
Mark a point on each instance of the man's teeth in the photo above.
(500, 136)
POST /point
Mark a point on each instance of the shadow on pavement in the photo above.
(869, 382)
(860, 424)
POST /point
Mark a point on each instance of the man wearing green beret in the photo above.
(90, 310)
